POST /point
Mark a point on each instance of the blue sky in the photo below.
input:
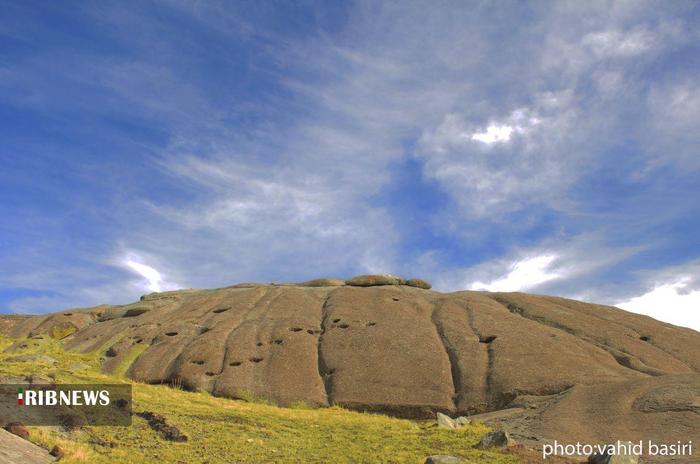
(548, 147)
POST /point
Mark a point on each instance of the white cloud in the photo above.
(493, 134)
(557, 266)
(154, 280)
(523, 275)
(671, 302)
(612, 43)
(520, 160)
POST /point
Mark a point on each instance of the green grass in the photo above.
(227, 431)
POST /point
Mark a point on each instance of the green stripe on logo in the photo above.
(19, 390)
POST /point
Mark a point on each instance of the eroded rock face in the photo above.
(590, 370)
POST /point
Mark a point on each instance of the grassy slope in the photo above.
(227, 431)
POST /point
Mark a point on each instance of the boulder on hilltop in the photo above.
(371, 280)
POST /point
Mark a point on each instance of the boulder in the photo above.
(443, 459)
(371, 280)
(496, 439)
(446, 422)
(57, 451)
(418, 283)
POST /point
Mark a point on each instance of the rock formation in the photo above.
(561, 369)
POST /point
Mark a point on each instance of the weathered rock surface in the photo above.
(562, 369)
(15, 450)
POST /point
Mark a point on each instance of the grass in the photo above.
(227, 431)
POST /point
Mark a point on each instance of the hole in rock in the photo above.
(221, 310)
(371, 324)
(310, 332)
(139, 340)
(335, 321)
(296, 329)
(331, 371)
(259, 344)
(645, 338)
(277, 342)
(170, 334)
(68, 314)
(255, 360)
(199, 362)
(210, 374)
(488, 339)
(111, 353)
(343, 326)
(235, 364)
(395, 299)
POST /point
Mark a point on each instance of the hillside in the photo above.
(222, 431)
(543, 367)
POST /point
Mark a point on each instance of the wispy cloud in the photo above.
(154, 280)
(522, 275)
(539, 147)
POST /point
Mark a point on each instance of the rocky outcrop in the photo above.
(419, 283)
(495, 439)
(372, 280)
(557, 366)
(15, 450)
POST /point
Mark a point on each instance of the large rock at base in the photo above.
(15, 450)
(497, 439)
(446, 422)
(371, 280)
